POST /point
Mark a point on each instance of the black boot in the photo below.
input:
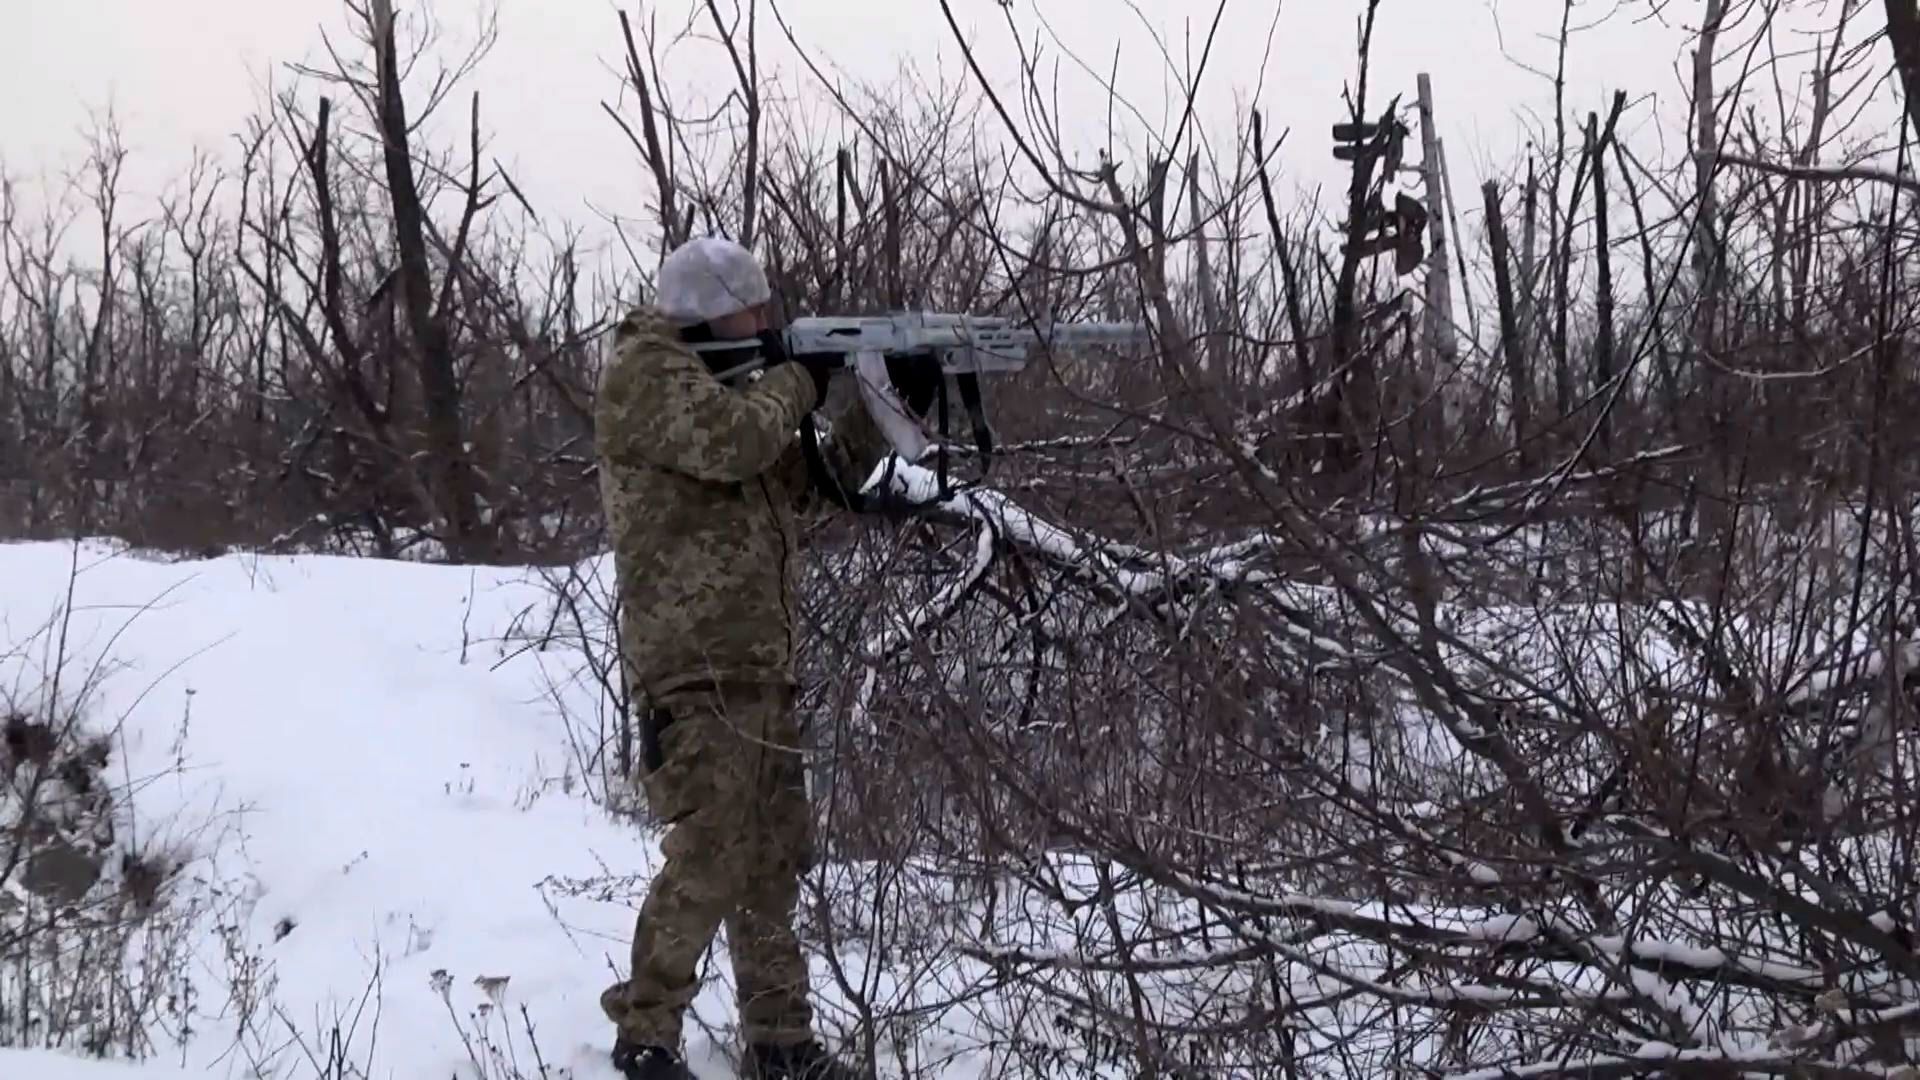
(637, 1062)
(798, 1061)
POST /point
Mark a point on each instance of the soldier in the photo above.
(702, 484)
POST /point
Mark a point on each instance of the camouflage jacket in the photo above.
(703, 487)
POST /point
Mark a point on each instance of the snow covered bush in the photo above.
(93, 949)
(572, 634)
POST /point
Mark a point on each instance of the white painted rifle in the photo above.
(881, 348)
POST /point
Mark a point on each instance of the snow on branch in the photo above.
(1663, 1058)
(1090, 556)
(1477, 996)
(1515, 937)
(1828, 173)
(1114, 571)
(902, 627)
(1476, 501)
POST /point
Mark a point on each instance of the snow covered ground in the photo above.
(52, 1065)
(377, 794)
(377, 791)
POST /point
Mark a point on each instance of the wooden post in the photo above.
(1440, 341)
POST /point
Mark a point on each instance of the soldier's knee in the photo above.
(715, 845)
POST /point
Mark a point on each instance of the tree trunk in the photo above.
(452, 477)
(1603, 344)
(1903, 29)
(1713, 519)
(1510, 346)
(1215, 364)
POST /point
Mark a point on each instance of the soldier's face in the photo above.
(742, 324)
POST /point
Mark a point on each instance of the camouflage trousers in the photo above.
(731, 786)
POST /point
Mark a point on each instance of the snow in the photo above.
(381, 788)
(55, 1065)
(1659, 1051)
(1226, 564)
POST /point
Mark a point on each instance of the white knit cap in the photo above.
(709, 277)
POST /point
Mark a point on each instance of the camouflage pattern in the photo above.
(703, 486)
(734, 788)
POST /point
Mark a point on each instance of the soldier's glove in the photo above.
(820, 366)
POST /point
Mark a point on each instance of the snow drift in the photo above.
(391, 859)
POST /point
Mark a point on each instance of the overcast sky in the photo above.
(181, 73)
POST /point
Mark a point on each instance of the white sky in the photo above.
(180, 73)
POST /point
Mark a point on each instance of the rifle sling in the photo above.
(823, 477)
(969, 384)
(940, 449)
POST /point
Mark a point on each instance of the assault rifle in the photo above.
(963, 346)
